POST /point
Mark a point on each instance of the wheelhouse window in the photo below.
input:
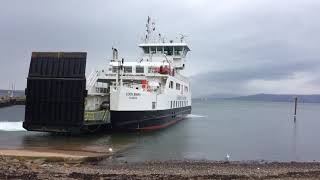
(153, 50)
(178, 86)
(146, 50)
(178, 50)
(160, 50)
(139, 69)
(168, 50)
(127, 69)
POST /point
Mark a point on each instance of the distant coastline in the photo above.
(313, 98)
(4, 92)
(304, 98)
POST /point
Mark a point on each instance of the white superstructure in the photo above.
(152, 82)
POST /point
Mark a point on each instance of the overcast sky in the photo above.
(238, 46)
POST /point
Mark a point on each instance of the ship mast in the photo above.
(150, 29)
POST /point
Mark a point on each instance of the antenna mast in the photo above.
(150, 28)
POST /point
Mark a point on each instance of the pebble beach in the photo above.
(15, 168)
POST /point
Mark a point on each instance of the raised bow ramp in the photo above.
(56, 92)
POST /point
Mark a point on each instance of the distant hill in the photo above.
(4, 92)
(220, 96)
(215, 96)
(315, 98)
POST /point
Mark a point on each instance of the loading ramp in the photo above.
(56, 92)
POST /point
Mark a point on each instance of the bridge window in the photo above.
(159, 50)
(127, 69)
(178, 50)
(168, 50)
(153, 50)
(139, 69)
(146, 50)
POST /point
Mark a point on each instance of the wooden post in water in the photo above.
(295, 109)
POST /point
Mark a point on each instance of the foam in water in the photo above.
(194, 116)
(11, 126)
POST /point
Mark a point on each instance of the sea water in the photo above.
(246, 130)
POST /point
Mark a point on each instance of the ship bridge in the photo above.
(174, 53)
(156, 48)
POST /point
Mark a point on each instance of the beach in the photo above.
(15, 168)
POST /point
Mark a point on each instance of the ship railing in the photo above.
(135, 76)
(92, 79)
(181, 77)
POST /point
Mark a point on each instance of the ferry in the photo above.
(148, 93)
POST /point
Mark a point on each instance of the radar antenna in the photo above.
(182, 37)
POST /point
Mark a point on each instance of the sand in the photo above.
(53, 155)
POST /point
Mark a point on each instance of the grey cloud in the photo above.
(236, 41)
(264, 72)
(234, 81)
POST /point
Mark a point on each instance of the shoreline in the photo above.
(15, 168)
(70, 155)
(53, 155)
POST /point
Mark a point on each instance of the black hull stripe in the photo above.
(150, 128)
(143, 119)
(151, 118)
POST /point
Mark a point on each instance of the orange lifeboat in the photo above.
(156, 69)
(166, 70)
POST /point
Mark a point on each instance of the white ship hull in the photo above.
(136, 109)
